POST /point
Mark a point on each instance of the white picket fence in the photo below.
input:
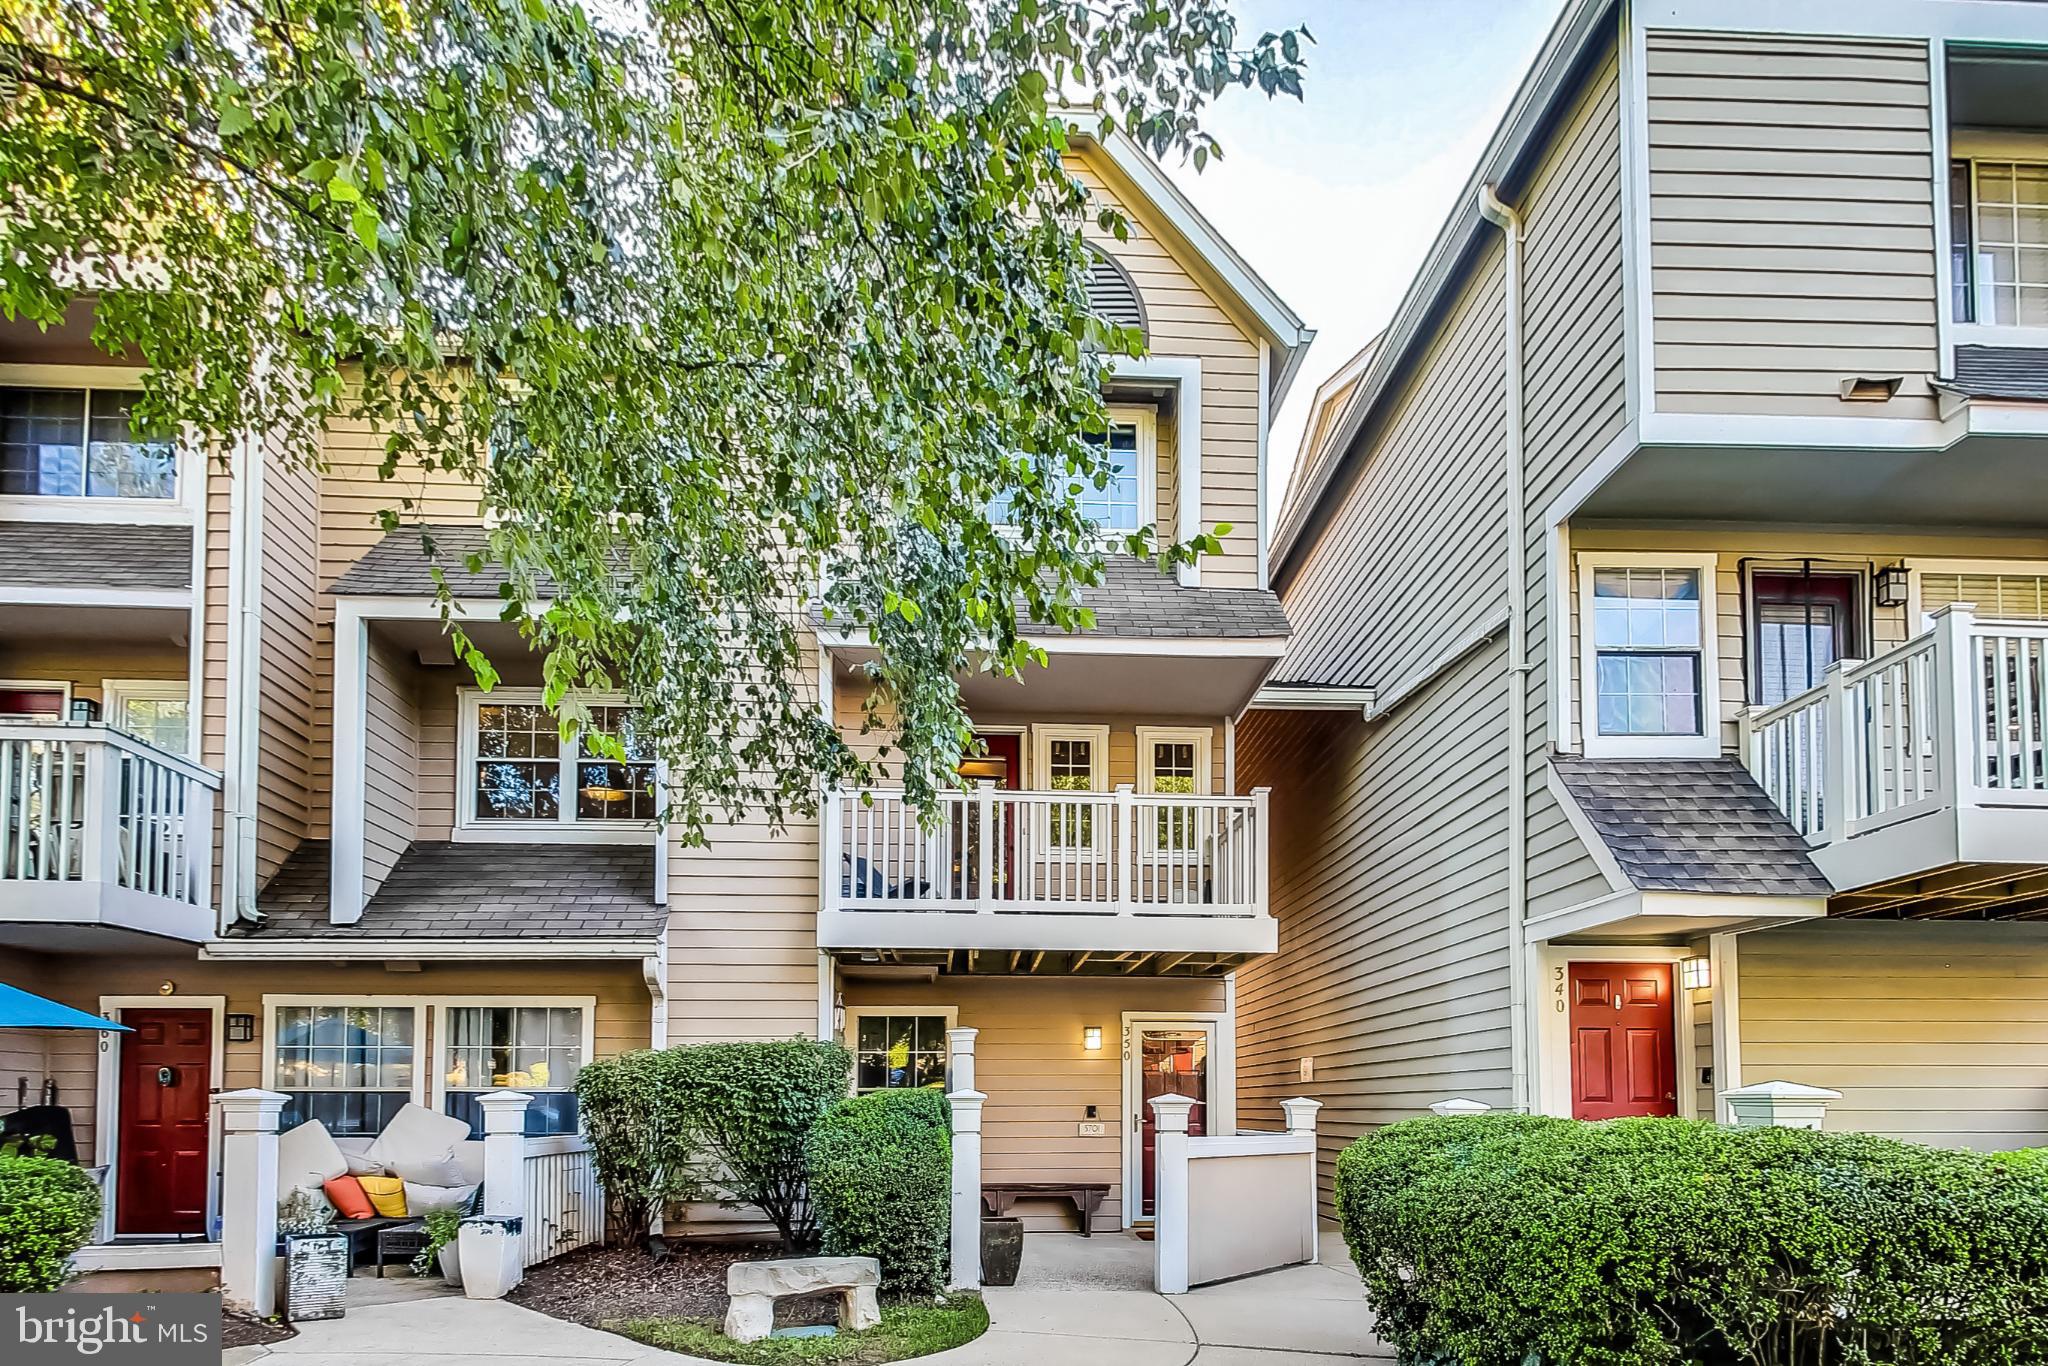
(564, 1202)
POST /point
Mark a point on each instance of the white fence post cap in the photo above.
(1460, 1105)
(961, 1040)
(1301, 1114)
(504, 1111)
(1172, 1113)
(1782, 1090)
(251, 1111)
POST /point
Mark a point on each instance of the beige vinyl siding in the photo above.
(391, 741)
(439, 790)
(1039, 1080)
(1186, 319)
(1389, 844)
(1792, 223)
(285, 682)
(86, 664)
(1705, 1094)
(620, 1022)
(1935, 1032)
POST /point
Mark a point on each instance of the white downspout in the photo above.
(1496, 211)
(242, 732)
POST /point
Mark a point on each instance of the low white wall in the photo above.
(1248, 1207)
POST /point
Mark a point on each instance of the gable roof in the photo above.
(1690, 825)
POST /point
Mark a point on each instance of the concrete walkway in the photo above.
(1077, 1300)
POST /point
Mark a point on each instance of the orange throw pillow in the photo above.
(387, 1194)
(348, 1198)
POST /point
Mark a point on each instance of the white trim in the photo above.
(116, 693)
(1185, 374)
(348, 790)
(1797, 433)
(1557, 661)
(828, 967)
(1230, 755)
(1086, 643)
(1859, 643)
(1222, 1082)
(1042, 736)
(1261, 502)
(1144, 422)
(1995, 334)
(1023, 734)
(1307, 697)
(849, 1034)
(1707, 743)
(565, 828)
(337, 950)
(150, 1256)
(1943, 152)
(1639, 311)
(1554, 1089)
(184, 507)
(56, 685)
(443, 1004)
(1727, 989)
(107, 1100)
(1981, 21)
(1680, 912)
(241, 764)
(43, 595)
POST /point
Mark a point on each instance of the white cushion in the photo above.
(362, 1164)
(469, 1163)
(308, 1156)
(417, 1144)
(425, 1199)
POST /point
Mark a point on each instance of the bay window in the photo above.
(1998, 229)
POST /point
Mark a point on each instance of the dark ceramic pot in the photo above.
(1002, 1250)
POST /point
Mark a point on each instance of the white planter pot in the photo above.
(491, 1259)
(450, 1258)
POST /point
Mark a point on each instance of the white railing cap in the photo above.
(101, 733)
(1781, 1090)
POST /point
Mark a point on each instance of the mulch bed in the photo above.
(598, 1286)
(236, 1331)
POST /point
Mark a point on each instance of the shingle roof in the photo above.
(2019, 372)
(1135, 599)
(96, 554)
(399, 566)
(444, 890)
(1691, 825)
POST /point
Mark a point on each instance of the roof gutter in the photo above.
(315, 949)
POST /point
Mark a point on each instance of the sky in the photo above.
(1336, 199)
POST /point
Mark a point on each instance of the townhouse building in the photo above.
(252, 807)
(1670, 595)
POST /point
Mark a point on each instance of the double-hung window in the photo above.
(350, 1066)
(1124, 502)
(1172, 762)
(521, 775)
(1647, 655)
(1998, 230)
(1072, 759)
(78, 443)
(536, 1048)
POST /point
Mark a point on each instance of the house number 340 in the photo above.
(1557, 990)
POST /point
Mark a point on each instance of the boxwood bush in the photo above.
(47, 1211)
(640, 1140)
(1515, 1240)
(881, 1178)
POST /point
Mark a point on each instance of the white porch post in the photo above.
(248, 1202)
(966, 1214)
(493, 1243)
(1780, 1104)
(1170, 1194)
(1301, 1123)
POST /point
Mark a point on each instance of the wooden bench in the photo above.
(1087, 1197)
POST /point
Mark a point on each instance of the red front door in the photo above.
(1624, 1041)
(1000, 764)
(1171, 1062)
(166, 1083)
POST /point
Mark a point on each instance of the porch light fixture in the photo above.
(1091, 1038)
(241, 1028)
(1696, 974)
(1891, 586)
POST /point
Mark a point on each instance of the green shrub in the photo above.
(48, 1210)
(1500, 1241)
(881, 1179)
(640, 1138)
(752, 1106)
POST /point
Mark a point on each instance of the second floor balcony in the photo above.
(1125, 875)
(101, 833)
(1919, 777)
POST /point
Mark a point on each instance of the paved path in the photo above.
(1058, 1312)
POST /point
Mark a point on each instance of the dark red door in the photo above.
(1001, 765)
(1624, 1041)
(1171, 1062)
(166, 1084)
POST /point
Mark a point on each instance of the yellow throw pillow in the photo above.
(387, 1195)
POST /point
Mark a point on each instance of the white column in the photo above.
(1301, 1123)
(966, 1232)
(960, 1059)
(1783, 1104)
(1170, 1194)
(248, 1202)
(493, 1243)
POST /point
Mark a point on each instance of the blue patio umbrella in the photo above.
(24, 1010)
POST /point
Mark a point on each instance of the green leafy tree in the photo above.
(715, 300)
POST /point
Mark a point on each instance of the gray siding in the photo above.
(1792, 223)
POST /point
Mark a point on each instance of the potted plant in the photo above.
(444, 1246)
(315, 1257)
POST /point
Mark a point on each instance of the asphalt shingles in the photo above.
(96, 554)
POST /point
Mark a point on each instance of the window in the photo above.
(1646, 655)
(521, 774)
(1071, 759)
(1124, 503)
(1804, 622)
(1999, 247)
(1994, 591)
(77, 443)
(897, 1047)
(536, 1048)
(1173, 762)
(156, 712)
(348, 1066)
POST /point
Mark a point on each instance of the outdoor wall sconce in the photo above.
(1891, 586)
(1696, 974)
(241, 1029)
(1091, 1038)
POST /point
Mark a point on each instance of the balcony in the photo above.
(1925, 760)
(1118, 876)
(101, 832)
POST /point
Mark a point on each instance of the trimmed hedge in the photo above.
(881, 1179)
(640, 1139)
(1513, 1240)
(48, 1210)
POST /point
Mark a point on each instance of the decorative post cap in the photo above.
(1172, 1112)
(251, 1111)
(1460, 1105)
(504, 1111)
(966, 1106)
(961, 1040)
(1781, 1090)
(1301, 1114)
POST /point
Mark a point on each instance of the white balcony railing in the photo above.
(98, 826)
(1952, 721)
(997, 855)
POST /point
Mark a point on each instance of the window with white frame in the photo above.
(536, 1048)
(521, 773)
(1071, 759)
(158, 712)
(79, 443)
(1647, 654)
(1173, 762)
(898, 1047)
(350, 1066)
(1998, 227)
(1123, 503)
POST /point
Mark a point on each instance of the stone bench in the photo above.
(755, 1286)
